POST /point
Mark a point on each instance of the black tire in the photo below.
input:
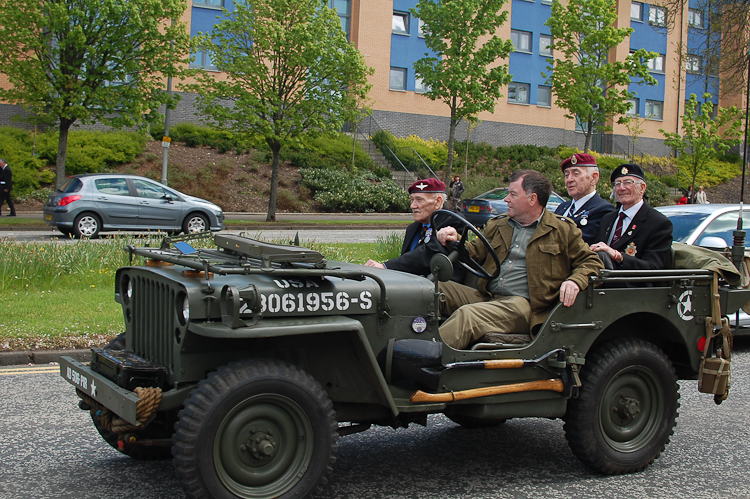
(473, 423)
(65, 232)
(87, 226)
(195, 222)
(627, 407)
(256, 429)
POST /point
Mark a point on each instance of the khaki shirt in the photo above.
(555, 253)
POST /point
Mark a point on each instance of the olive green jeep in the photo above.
(246, 363)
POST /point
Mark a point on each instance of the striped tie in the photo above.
(618, 229)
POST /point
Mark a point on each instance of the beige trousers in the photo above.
(472, 316)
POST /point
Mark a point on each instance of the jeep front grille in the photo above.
(153, 321)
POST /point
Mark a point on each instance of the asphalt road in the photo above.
(50, 449)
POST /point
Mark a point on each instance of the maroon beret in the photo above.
(578, 159)
(427, 185)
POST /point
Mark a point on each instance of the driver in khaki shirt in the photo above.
(543, 260)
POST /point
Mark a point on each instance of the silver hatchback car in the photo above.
(88, 204)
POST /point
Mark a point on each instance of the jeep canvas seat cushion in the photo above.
(687, 256)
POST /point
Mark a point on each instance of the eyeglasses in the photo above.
(625, 183)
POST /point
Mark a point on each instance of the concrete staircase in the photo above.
(401, 177)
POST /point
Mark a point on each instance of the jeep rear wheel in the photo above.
(627, 407)
(256, 429)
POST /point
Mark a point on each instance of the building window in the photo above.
(544, 45)
(398, 79)
(209, 3)
(401, 23)
(633, 109)
(693, 63)
(654, 110)
(419, 86)
(420, 28)
(656, 64)
(657, 15)
(544, 96)
(546, 2)
(343, 9)
(636, 11)
(521, 40)
(695, 18)
(518, 93)
(202, 60)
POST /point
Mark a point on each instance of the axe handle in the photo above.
(504, 364)
(555, 385)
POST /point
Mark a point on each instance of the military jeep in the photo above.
(247, 362)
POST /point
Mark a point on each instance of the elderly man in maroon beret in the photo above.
(420, 243)
(587, 207)
(636, 237)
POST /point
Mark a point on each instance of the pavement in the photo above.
(21, 357)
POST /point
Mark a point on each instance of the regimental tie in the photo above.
(618, 229)
(571, 210)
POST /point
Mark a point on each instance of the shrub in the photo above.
(92, 152)
(359, 193)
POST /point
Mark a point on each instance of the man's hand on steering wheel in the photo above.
(450, 234)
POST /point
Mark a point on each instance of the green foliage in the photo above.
(714, 171)
(330, 150)
(463, 71)
(92, 152)
(91, 60)
(357, 193)
(433, 152)
(301, 92)
(703, 137)
(590, 87)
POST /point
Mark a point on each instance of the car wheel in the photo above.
(87, 225)
(65, 232)
(195, 222)
(256, 429)
(626, 409)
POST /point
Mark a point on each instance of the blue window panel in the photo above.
(406, 50)
(203, 19)
(525, 67)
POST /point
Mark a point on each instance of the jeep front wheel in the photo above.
(627, 407)
(256, 429)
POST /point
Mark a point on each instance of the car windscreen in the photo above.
(496, 194)
(71, 185)
(724, 227)
(684, 224)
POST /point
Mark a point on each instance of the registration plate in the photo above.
(48, 217)
(474, 208)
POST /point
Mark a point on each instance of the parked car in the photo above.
(88, 204)
(710, 226)
(491, 204)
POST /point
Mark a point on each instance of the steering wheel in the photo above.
(464, 258)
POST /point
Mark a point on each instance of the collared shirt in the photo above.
(629, 215)
(512, 280)
(577, 205)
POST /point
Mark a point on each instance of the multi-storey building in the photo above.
(391, 41)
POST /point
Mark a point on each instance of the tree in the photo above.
(90, 61)
(587, 84)
(635, 129)
(463, 72)
(289, 71)
(703, 137)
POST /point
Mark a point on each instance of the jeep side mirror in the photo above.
(441, 267)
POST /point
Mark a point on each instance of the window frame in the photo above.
(640, 11)
(549, 93)
(404, 72)
(633, 111)
(200, 61)
(518, 85)
(405, 17)
(419, 86)
(550, 52)
(692, 14)
(204, 4)
(652, 116)
(420, 28)
(690, 64)
(527, 35)
(651, 62)
(656, 19)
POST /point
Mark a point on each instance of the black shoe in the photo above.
(11, 215)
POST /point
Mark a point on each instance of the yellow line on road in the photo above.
(29, 370)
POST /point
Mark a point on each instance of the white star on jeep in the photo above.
(93, 389)
(421, 186)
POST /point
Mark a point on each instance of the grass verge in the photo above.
(55, 295)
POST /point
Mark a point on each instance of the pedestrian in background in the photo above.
(457, 190)
(6, 185)
(690, 195)
(701, 198)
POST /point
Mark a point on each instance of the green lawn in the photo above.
(62, 295)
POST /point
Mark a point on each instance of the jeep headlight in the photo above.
(186, 309)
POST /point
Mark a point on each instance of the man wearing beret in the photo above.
(636, 236)
(420, 243)
(543, 261)
(587, 207)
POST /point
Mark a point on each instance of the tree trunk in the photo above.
(587, 142)
(62, 152)
(275, 148)
(451, 142)
(354, 143)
